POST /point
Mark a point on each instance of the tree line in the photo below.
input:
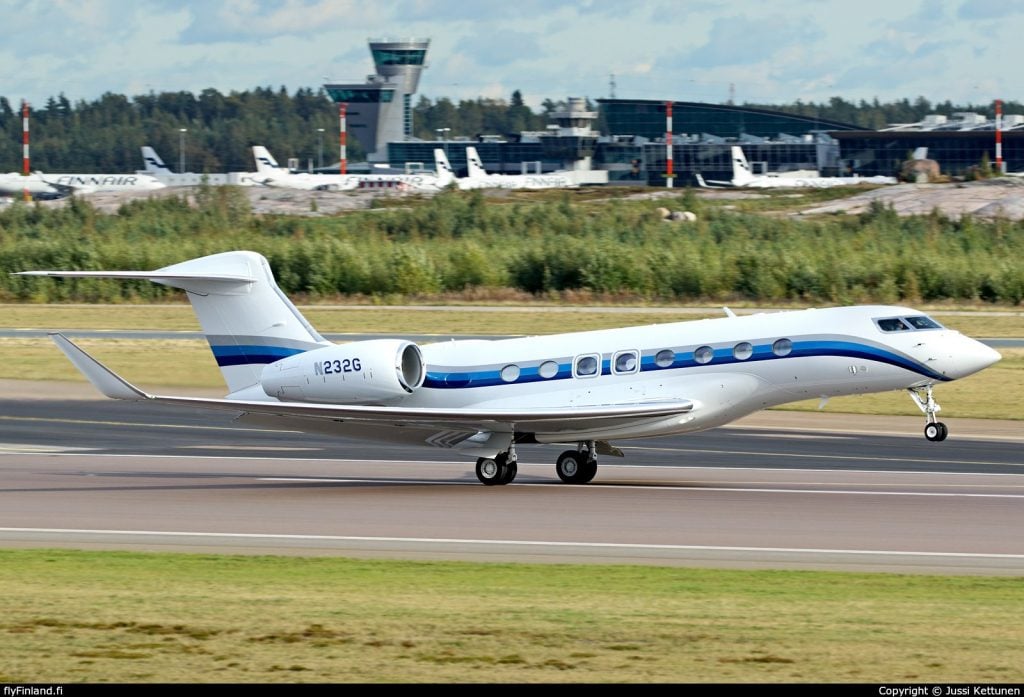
(105, 134)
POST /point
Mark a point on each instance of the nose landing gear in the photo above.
(934, 430)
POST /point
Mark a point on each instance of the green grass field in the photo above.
(70, 616)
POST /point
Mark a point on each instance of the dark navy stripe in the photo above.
(246, 355)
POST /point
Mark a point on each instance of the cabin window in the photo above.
(922, 322)
(586, 366)
(782, 347)
(665, 358)
(510, 373)
(743, 350)
(892, 324)
(626, 362)
(548, 369)
(704, 354)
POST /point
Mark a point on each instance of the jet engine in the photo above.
(363, 372)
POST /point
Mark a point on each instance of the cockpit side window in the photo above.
(922, 322)
(892, 324)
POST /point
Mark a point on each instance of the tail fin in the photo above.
(445, 173)
(475, 164)
(741, 173)
(265, 162)
(246, 318)
(153, 163)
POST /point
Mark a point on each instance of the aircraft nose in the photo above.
(969, 357)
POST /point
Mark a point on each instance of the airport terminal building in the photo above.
(631, 146)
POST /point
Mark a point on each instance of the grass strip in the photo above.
(71, 616)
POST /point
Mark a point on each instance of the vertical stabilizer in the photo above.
(474, 164)
(741, 174)
(245, 316)
(445, 173)
(265, 162)
(152, 162)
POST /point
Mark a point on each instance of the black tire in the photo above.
(489, 470)
(936, 432)
(568, 466)
(588, 472)
(510, 472)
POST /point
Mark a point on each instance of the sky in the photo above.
(965, 51)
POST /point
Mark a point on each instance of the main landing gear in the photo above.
(934, 430)
(577, 466)
(572, 467)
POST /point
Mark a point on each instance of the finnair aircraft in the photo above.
(478, 178)
(15, 184)
(744, 177)
(269, 173)
(486, 399)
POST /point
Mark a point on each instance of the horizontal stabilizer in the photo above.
(170, 279)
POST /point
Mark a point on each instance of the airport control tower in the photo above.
(380, 109)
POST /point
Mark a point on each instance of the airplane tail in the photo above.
(265, 162)
(475, 164)
(246, 318)
(153, 163)
(741, 173)
(445, 173)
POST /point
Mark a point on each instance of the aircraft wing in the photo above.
(528, 419)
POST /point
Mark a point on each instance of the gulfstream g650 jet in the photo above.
(486, 399)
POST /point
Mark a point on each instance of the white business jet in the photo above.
(744, 177)
(485, 399)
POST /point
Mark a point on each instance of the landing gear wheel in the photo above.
(491, 470)
(575, 467)
(511, 468)
(936, 431)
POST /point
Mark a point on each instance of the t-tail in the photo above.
(152, 162)
(474, 164)
(246, 318)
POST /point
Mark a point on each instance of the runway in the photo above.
(112, 475)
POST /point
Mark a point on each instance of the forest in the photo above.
(105, 134)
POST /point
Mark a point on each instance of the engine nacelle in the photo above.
(363, 372)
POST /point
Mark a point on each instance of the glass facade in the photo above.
(646, 118)
(393, 56)
(883, 152)
(359, 95)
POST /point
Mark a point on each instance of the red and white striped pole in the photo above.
(24, 144)
(342, 138)
(999, 136)
(668, 144)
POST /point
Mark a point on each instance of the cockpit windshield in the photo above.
(904, 324)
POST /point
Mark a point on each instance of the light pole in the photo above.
(320, 148)
(181, 150)
(443, 135)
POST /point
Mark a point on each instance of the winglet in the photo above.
(102, 378)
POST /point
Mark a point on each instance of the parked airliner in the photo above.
(486, 399)
(744, 177)
(269, 173)
(478, 178)
(41, 185)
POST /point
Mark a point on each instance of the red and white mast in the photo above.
(24, 144)
(342, 139)
(999, 136)
(668, 144)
